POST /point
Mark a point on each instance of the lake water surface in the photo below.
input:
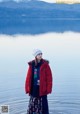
(63, 53)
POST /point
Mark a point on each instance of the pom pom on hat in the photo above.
(36, 52)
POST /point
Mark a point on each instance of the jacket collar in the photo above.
(43, 61)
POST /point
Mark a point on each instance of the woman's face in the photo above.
(39, 56)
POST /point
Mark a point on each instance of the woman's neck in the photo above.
(38, 61)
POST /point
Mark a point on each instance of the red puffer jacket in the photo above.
(45, 79)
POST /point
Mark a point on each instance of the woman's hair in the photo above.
(36, 61)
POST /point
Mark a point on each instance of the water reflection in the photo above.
(63, 53)
(42, 25)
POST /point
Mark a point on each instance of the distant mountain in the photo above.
(35, 17)
(39, 4)
(25, 4)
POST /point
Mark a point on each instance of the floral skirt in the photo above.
(38, 105)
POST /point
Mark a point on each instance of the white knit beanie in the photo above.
(36, 52)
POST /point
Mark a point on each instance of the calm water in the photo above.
(63, 53)
(21, 25)
(37, 17)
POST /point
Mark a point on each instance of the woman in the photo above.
(38, 84)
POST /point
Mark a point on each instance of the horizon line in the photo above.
(57, 2)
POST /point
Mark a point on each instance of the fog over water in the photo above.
(63, 52)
